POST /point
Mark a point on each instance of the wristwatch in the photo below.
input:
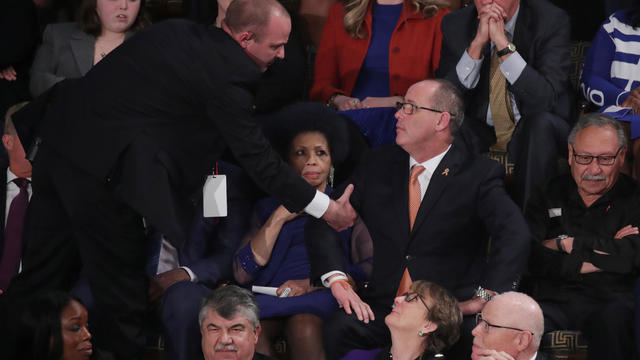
(559, 239)
(483, 293)
(511, 48)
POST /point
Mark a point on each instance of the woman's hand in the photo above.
(343, 103)
(376, 102)
(298, 287)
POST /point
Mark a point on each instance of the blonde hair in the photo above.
(355, 11)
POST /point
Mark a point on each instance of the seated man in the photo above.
(509, 328)
(432, 225)
(511, 59)
(585, 225)
(229, 325)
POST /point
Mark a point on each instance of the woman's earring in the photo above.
(331, 174)
(421, 333)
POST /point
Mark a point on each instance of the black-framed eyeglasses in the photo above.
(409, 108)
(605, 160)
(411, 296)
(486, 325)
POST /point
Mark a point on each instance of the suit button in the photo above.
(395, 50)
(396, 77)
(408, 257)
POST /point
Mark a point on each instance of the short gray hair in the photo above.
(230, 300)
(599, 120)
(449, 98)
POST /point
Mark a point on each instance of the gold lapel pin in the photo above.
(445, 172)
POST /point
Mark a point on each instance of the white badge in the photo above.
(555, 212)
(215, 196)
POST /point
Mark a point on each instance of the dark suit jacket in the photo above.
(4, 164)
(155, 114)
(541, 37)
(465, 202)
(66, 53)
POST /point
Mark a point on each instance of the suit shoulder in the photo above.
(544, 9)
(62, 30)
(458, 17)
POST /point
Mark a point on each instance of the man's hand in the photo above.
(298, 287)
(483, 35)
(350, 301)
(473, 305)
(343, 103)
(488, 354)
(161, 282)
(340, 214)
(627, 230)
(9, 74)
(588, 268)
(633, 100)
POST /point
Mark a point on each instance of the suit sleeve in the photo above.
(326, 75)
(449, 54)
(43, 68)
(231, 111)
(544, 78)
(510, 237)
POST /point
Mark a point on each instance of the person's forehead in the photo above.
(419, 93)
(216, 319)
(595, 139)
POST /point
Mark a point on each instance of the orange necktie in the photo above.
(414, 205)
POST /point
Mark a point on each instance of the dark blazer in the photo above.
(4, 164)
(171, 98)
(66, 53)
(465, 202)
(541, 37)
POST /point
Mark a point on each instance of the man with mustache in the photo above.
(230, 325)
(584, 259)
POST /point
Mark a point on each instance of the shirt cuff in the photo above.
(468, 70)
(327, 283)
(319, 205)
(192, 275)
(512, 67)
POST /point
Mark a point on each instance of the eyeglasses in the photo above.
(409, 108)
(486, 325)
(410, 297)
(606, 160)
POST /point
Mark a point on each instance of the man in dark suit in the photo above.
(461, 200)
(509, 328)
(511, 60)
(132, 140)
(15, 167)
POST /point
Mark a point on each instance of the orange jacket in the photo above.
(414, 52)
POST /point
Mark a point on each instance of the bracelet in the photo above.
(330, 101)
(345, 283)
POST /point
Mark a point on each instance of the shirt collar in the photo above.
(11, 176)
(510, 26)
(431, 164)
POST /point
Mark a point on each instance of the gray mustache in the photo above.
(226, 348)
(593, 177)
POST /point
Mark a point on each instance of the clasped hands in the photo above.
(492, 19)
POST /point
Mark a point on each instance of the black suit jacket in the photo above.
(156, 113)
(541, 36)
(465, 202)
(4, 164)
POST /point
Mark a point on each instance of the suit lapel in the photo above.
(440, 179)
(82, 47)
(401, 182)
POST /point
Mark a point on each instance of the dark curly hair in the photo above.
(284, 125)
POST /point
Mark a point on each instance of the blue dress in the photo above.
(377, 124)
(288, 261)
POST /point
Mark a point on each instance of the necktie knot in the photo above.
(21, 182)
(416, 170)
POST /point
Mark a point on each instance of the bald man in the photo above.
(509, 327)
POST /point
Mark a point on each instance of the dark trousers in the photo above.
(537, 142)
(607, 325)
(179, 315)
(76, 220)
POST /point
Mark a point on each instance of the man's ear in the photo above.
(8, 142)
(243, 38)
(257, 333)
(570, 152)
(443, 121)
(523, 340)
